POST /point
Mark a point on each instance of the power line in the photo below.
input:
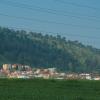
(78, 5)
(51, 11)
(43, 8)
(46, 21)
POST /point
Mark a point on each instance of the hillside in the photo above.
(39, 50)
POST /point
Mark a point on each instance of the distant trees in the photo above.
(40, 50)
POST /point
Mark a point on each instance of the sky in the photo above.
(73, 19)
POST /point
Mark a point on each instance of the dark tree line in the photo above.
(39, 50)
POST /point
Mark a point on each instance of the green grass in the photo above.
(38, 89)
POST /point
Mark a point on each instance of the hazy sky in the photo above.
(75, 19)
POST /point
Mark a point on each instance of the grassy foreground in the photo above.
(49, 90)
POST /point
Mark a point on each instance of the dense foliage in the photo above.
(49, 90)
(45, 51)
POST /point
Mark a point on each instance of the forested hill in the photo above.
(45, 51)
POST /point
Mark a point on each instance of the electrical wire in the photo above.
(51, 11)
(46, 21)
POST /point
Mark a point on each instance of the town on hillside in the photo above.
(27, 72)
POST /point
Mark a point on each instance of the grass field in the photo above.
(49, 89)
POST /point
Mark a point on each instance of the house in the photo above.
(6, 67)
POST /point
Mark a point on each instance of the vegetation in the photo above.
(39, 50)
(49, 90)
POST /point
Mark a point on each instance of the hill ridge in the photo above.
(37, 50)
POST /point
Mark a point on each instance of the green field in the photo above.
(38, 89)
